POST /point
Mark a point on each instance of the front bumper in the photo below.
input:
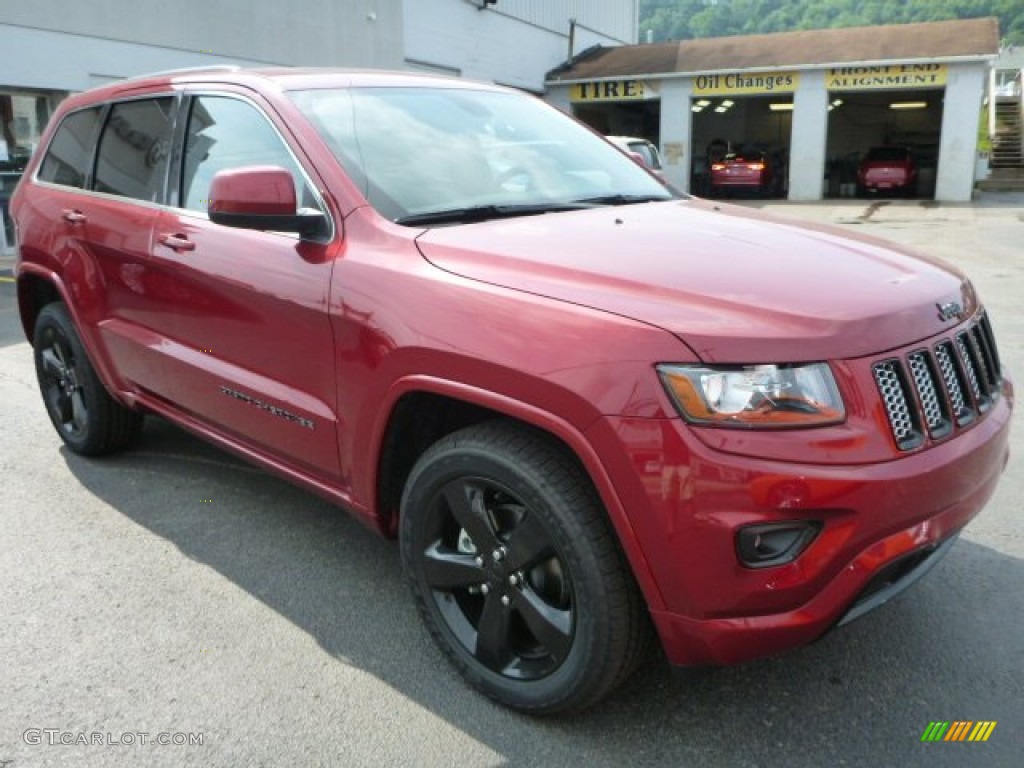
(740, 182)
(686, 501)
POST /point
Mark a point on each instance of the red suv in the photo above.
(887, 169)
(584, 406)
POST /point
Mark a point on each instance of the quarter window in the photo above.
(133, 149)
(67, 158)
(226, 133)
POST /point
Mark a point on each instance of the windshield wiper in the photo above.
(620, 199)
(492, 211)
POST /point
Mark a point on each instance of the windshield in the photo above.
(416, 151)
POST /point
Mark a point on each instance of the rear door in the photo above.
(106, 172)
(251, 348)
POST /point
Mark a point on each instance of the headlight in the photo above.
(755, 396)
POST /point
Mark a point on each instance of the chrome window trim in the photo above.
(180, 95)
(318, 194)
(43, 150)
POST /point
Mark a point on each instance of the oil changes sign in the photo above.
(743, 83)
(886, 78)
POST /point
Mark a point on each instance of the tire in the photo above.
(87, 419)
(516, 571)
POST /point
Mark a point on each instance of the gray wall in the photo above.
(515, 42)
(74, 45)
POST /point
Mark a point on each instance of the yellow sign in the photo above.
(886, 78)
(742, 83)
(612, 90)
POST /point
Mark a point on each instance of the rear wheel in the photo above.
(516, 571)
(87, 419)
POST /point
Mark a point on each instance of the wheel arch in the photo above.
(402, 434)
(38, 287)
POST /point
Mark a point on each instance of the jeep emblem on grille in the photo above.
(950, 311)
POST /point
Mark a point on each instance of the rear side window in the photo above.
(67, 158)
(896, 154)
(226, 133)
(647, 152)
(133, 150)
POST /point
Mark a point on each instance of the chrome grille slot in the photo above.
(953, 379)
(931, 392)
(990, 338)
(972, 370)
(898, 404)
(933, 404)
(987, 359)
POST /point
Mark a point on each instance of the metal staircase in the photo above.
(1008, 138)
(1005, 130)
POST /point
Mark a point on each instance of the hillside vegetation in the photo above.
(685, 19)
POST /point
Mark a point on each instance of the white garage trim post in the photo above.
(810, 133)
(676, 131)
(958, 145)
(558, 96)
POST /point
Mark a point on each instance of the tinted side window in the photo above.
(133, 149)
(67, 158)
(227, 133)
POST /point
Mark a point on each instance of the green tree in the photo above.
(684, 19)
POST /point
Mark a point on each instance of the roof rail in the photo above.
(189, 70)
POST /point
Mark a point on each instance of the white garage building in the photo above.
(54, 47)
(815, 99)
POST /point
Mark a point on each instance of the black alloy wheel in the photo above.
(497, 579)
(516, 570)
(59, 381)
(87, 419)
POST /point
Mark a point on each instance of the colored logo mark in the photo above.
(958, 730)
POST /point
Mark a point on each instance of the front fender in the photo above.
(568, 433)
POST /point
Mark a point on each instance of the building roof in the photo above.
(933, 40)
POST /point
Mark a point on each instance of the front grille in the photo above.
(931, 391)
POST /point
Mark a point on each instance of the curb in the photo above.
(888, 211)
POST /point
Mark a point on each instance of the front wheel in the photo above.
(87, 419)
(516, 571)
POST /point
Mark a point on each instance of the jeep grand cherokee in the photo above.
(587, 408)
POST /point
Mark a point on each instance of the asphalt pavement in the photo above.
(176, 594)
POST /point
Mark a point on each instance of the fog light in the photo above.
(770, 544)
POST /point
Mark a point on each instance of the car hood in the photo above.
(734, 284)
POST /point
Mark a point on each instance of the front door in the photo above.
(250, 347)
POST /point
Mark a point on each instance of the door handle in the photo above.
(72, 216)
(177, 243)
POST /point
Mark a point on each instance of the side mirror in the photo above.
(260, 197)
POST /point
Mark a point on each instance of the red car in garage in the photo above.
(747, 171)
(889, 170)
